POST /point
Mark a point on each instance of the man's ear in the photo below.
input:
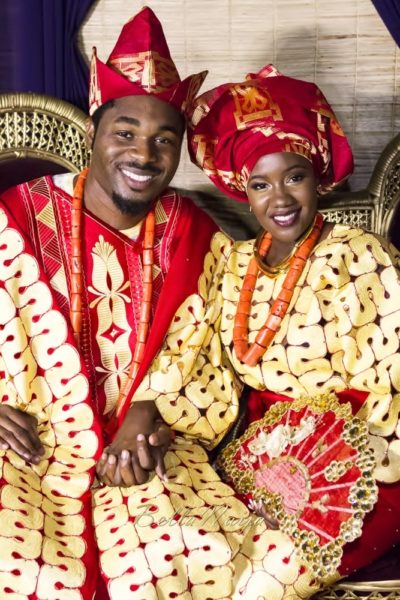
(90, 130)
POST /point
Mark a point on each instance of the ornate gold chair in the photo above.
(39, 135)
(374, 208)
(367, 590)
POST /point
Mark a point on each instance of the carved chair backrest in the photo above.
(39, 135)
(374, 208)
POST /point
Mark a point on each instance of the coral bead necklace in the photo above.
(250, 354)
(76, 268)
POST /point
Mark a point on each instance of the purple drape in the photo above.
(389, 11)
(38, 51)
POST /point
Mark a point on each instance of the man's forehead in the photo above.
(145, 102)
(137, 110)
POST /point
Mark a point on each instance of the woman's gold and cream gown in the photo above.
(191, 537)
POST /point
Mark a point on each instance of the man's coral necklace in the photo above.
(76, 286)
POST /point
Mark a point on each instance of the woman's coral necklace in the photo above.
(250, 354)
(77, 282)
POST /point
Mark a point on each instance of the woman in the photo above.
(307, 311)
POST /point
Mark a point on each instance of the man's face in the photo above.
(135, 151)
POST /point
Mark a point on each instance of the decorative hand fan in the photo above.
(309, 461)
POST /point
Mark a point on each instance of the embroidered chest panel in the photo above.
(112, 282)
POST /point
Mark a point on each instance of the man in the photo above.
(91, 273)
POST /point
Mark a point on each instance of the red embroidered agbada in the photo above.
(48, 548)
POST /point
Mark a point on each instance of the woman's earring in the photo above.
(250, 209)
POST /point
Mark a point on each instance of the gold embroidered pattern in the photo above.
(194, 536)
(94, 89)
(204, 157)
(204, 153)
(340, 331)
(41, 504)
(252, 104)
(113, 331)
(154, 73)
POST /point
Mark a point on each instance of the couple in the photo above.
(91, 288)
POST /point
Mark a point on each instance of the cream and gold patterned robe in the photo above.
(341, 331)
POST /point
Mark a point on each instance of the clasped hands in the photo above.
(138, 447)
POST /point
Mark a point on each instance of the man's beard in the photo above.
(128, 206)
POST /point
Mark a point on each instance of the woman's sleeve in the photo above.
(191, 380)
(368, 345)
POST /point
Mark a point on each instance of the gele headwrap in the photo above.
(234, 124)
(141, 64)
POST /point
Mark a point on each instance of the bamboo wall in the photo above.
(342, 45)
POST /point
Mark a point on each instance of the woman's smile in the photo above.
(286, 219)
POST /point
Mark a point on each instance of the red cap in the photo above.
(141, 64)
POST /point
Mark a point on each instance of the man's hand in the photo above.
(18, 432)
(139, 447)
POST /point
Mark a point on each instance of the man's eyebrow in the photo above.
(129, 120)
(136, 122)
(170, 128)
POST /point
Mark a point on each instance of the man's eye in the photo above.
(126, 135)
(163, 140)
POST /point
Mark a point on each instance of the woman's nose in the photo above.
(281, 195)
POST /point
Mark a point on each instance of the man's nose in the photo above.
(142, 149)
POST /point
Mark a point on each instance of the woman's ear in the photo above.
(90, 131)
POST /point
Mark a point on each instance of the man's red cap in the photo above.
(141, 64)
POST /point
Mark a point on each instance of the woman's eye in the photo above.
(296, 178)
(258, 186)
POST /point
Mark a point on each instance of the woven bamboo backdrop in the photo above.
(342, 45)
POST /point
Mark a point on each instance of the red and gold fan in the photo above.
(309, 461)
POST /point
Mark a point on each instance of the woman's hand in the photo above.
(18, 432)
(258, 507)
(139, 447)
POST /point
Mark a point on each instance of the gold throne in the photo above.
(374, 208)
(39, 135)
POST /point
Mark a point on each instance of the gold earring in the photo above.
(250, 209)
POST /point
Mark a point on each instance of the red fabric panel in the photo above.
(193, 236)
(259, 401)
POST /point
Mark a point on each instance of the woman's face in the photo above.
(282, 191)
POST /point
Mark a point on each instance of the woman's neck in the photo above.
(280, 251)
